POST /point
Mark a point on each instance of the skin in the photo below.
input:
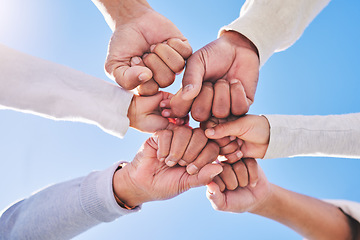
(147, 178)
(186, 146)
(146, 49)
(252, 132)
(310, 217)
(145, 113)
(233, 58)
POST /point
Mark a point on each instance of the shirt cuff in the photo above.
(97, 196)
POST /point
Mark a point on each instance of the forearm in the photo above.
(333, 135)
(40, 87)
(64, 210)
(310, 217)
(276, 24)
(118, 12)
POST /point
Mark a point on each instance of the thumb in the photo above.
(193, 77)
(233, 128)
(130, 77)
(205, 175)
(215, 196)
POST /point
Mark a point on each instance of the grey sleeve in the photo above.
(63, 210)
(332, 136)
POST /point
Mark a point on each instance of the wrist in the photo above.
(267, 204)
(124, 190)
(118, 12)
(239, 40)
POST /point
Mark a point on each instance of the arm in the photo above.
(40, 87)
(274, 25)
(278, 136)
(64, 210)
(310, 217)
(146, 49)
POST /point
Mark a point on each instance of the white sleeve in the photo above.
(274, 25)
(40, 87)
(350, 208)
(64, 210)
(332, 136)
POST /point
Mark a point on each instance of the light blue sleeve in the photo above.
(64, 210)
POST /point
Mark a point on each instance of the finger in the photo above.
(220, 183)
(221, 103)
(210, 123)
(148, 88)
(164, 143)
(229, 177)
(180, 107)
(201, 108)
(215, 196)
(234, 157)
(180, 140)
(241, 173)
(253, 170)
(170, 57)
(229, 148)
(225, 129)
(130, 77)
(205, 176)
(182, 47)
(162, 74)
(208, 155)
(193, 76)
(239, 104)
(197, 143)
(222, 142)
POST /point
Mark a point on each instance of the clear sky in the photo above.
(317, 75)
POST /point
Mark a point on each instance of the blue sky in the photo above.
(318, 75)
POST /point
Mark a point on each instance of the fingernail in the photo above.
(253, 185)
(162, 105)
(239, 154)
(233, 81)
(144, 76)
(166, 113)
(162, 159)
(232, 138)
(170, 163)
(210, 132)
(136, 60)
(152, 47)
(182, 163)
(192, 169)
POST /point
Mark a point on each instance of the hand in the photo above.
(242, 199)
(233, 58)
(148, 179)
(146, 48)
(252, 131)
(239, 174)
(186, 146)
(229, 145)
(145, 113)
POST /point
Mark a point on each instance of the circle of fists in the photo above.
(219, 81)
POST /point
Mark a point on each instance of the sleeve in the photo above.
(332, 136)
(274, 25)
(40, 87)
(350, 208)
(64, 210)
